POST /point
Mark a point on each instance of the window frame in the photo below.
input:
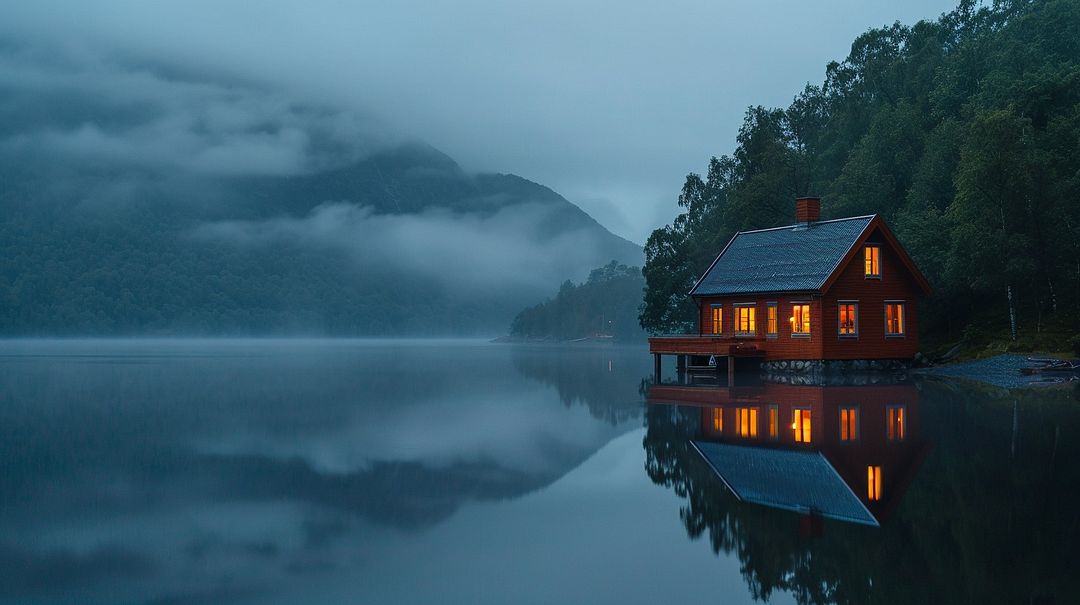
(839, 333)
(753, 421)
(797, 429)
(902, 433)
(810, 326)
(854, 409)
(716, 320)
(773, 415)
(718, 419)
(735, 328)
(875, 482)
(774, 321)
(867, 247)
(903, 318)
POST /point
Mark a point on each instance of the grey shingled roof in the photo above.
(785, 479)
(783, 259)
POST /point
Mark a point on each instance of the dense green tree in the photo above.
(79, 256)
(606, 304)
(963, 133)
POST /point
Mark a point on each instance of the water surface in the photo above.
(265, 471)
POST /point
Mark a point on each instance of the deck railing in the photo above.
(707, 344)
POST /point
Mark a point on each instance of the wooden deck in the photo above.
(707, 345)
(687, 347)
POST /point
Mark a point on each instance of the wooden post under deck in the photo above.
(713, 348)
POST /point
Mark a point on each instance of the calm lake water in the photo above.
(465, 472)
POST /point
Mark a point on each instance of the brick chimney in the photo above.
(807, 209)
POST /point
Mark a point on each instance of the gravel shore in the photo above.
(1001, 371)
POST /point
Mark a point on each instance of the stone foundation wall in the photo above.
(830, 366)
(834, 379)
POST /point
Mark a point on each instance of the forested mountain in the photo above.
(399, 241)
(606, 304)
(963, 133)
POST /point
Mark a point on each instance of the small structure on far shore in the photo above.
(815, 295)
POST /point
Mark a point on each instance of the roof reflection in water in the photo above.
(841, 452)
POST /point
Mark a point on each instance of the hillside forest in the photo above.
(962, 132)
(606, 304)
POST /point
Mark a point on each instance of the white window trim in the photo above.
(776, 305)
(840, 335)
(795, 334)
(879, 269)
(896, 406)
(903, 320)
(735, 319)
(712, 322)
(798, 423)
(753, 429)
(858, 422)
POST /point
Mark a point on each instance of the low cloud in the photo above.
(248, 165)
(105, 110)
(505, 250)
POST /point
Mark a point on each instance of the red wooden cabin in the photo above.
(842, 289)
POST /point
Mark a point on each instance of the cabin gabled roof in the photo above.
(791, 480)
(795, 258)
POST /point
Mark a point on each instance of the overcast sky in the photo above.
(608, 103)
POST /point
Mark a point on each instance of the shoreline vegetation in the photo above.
(602, 308)
(961, 132)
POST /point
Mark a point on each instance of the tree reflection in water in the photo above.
(976, 500)
(606, 379)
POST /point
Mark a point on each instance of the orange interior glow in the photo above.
(873, 483)
(801, 425)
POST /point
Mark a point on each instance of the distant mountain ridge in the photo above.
(413, 178)
(401, 242)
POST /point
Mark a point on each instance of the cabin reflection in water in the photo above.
(841, 452)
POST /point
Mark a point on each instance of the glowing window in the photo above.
(800, 320)
(895, 422)
(872, 257)
(873, 483)
(849, 424)
(800, 424)
(746, 421)
(772, 322)
(774, 421)
(717, 319)
(848, 314)
(745, 320)
(895, 319)
(718, 419)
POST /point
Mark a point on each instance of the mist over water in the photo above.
(247, 470)
(145, 199)
(393, 471)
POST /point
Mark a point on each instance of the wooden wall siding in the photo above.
(896, 283)
(785, 346)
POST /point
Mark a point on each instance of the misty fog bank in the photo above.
(144, 200)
